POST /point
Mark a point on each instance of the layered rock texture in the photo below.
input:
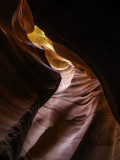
(52, 101)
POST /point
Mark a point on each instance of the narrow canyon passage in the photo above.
(59, 76)
(78, 108)
(78, 111)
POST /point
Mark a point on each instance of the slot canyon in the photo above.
(59, 80)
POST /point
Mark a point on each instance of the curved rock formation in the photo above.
(52, 102)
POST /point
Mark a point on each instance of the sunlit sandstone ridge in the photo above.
(39, 39)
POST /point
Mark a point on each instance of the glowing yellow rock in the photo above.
(38, 38)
